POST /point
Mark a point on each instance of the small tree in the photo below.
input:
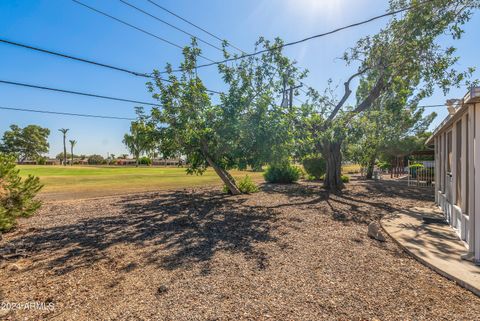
(72, 144)
(17, 196)
(141, 137)
(95, 159)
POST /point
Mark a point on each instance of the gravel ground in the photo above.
(290, 252)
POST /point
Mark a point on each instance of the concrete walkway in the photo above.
(434, 244)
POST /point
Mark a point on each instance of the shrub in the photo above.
(16, 195)
(41, 160)
(345, 178)
(247, 186)
(95, 160)
(145, 161)
(384, 165)
(284, 173)
(351, 168)
(314, 166)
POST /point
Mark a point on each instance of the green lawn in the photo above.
(92, 181)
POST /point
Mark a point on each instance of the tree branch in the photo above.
(347, 94)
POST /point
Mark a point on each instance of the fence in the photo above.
(421, 173)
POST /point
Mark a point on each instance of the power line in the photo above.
(431, 106)
(50, 52)
(170, 25)
(135, 27)
(95, 63)
(206, 31)
(62, 113)
(194, 25)
(391, 13)
(77, 93)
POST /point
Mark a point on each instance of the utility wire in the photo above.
(50, 52)
(135, 27)
(62, 113)
(391, 13)
(194, 25)
(170, 25)
(76, 93)
(208, 32)
(95, 63)
(99, 116)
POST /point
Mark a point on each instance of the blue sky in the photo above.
(62, 25)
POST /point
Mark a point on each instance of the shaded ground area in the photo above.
(288, 252)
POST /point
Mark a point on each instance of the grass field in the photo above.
(91, 181)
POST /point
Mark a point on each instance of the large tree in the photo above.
(247, 127)
(29, 142)
(405, 53)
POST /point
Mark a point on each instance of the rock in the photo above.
(375, 231)
(162, 289)
(20, 265)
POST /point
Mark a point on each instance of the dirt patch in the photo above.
(288, 252)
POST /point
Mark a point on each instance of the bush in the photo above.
(95, 160)
(247, 186)
(351, 168)
(41, 160)
(384, 165)
(285, 173)
(16, 195)
(145, 161)
(345, 178)
(314, 166)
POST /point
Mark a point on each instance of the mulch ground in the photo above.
(290, 252)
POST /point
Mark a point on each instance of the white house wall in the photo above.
(464, 217)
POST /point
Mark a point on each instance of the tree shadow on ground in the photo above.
(171, 230)
(368, 200)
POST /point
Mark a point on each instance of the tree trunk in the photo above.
(333, 157)
(71, 156)
(222, 173)
(370, 167)
(225, 177)
(64, 151)
(137, 156)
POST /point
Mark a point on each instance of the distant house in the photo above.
(126, 162)
(52, 161)
(78, 161)
(457, 169)
(28, 162)
(166, 161)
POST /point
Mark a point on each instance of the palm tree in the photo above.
(72, 144)
(64, 132)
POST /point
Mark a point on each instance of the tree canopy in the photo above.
(29, 142)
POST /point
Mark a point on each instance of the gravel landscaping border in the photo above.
(289, 252)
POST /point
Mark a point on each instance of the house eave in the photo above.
(472, 97)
